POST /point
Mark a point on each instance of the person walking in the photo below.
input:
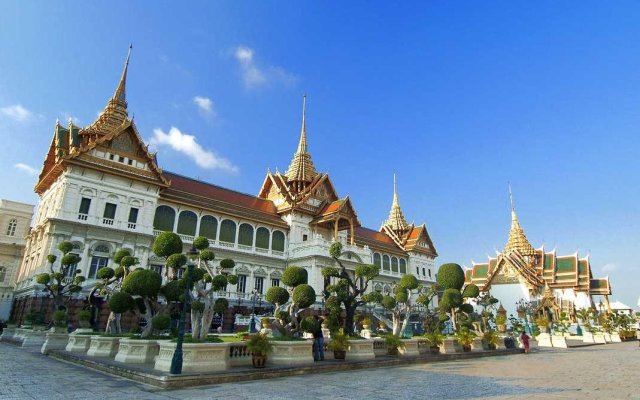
(525, 341)
(318, 341)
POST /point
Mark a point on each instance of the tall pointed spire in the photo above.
(517, 239)
(396, 220)
(301, 170)
(115, 113)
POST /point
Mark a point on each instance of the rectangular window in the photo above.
(423, 272)
(133, 215)
(304, 238)
(275, 282)
(96, 264)
(417, 270)
(85, 203)
(71, 270)
(242, 283)
(110, 211)
(259, 284)
(157, 268)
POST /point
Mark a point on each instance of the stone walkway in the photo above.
(597, 372)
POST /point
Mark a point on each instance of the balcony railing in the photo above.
(107, 221)
(83, 217)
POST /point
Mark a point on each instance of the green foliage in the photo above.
(105, 273)
(394, 342)
(84, 315)
(372, 297)
(201, 243)
(283, 317)
(220, 306)
(121, 302)
(409, 282)
(259, 344)
(402, 294)
(471, 291)
(369, 271)
(174, 290)
(176, 261)
(451, 298)
(304, 295)
(435, 338)
(388, 302)
(51, 258)
(423, 299)
(277, 295)
(465, 336)
(501, 319)
(542, 321)
(219, 282)
(450, 276)
(466, 308)
(128, 261)
(339, 341)
(196, 274)
(294, 276)
(60, 318)
(232, 279)
(119, 272)
(197, 306)
(70, 259)
(335, 250)
(43, 279)
(330, 271)
(309, 325)
(65, 247)
(166, 244)
(142, 282)
(491, 339)
(120, 254)
(332, 304)
(161, 322)
(227, 263)
(207, 255)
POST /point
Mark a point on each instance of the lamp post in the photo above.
(252, 322)
(176, 361)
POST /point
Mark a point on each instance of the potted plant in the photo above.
(465, 338)
(60, 321)
(259, 345)
(393, 344)
(491, 340)
(435, 339)
(366, 323)
(83, 319)
(339, 344)
(266, 322)
(501, 323)
(543, 323)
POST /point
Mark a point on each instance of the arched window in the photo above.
(262, 238)
(245, 235)
(164, 218)
(3, 274)
(377, 261)
(228, 231)
(101, 248)
(187, 223)
(208, 227)
(11, 229)
(277, 241)
(386, 263)
(403, 266)
(394, 264)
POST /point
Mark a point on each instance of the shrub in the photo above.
(176, 261)
(450, 276)
(65, 247)
(161, 322)
(339, 341)
(60, 318)
(394, 342)
(409, 281)
(105, 273)
(451, 298)
(309, 325)
(201, 243)
(120, 254)
(294, 276)
(227, 263)
(43, 279)
(435, 339)
(121, 302)
(471, 291)
(207, 255)
(142, 282)
(174, 290)
(219, 282)
(220, 306)
(277, 295)
(197, 306)
(259, 344)
(166, 244)
(84, 315)
(304, 295)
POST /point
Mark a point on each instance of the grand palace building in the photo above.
(103, 190)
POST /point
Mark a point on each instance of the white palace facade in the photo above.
(102, 189)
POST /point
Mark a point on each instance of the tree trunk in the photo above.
(196, 320)
(109, 328)
(207, 317)
(396, 329)
(453, 319)
(118, 325)
(148, 314)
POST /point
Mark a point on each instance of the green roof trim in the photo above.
(598, 284)
(582, 267)
(565, 264)
(548, 261)
(480, 270)
(492, 263)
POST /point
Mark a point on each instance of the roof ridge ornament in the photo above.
(396, 221)
(517, 239)
(301, 170)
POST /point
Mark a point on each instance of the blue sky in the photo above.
(456, 98)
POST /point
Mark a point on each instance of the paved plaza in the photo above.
(596, 372)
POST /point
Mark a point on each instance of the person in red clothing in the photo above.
(525, 341)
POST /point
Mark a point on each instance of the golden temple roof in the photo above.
(396, 219)
(517, 239)
(301, 169)
(115, 113)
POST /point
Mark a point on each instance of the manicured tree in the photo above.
(401, 304)
(350, 288)
(144, 284)
(54, 281)
(301, 295)
(450, 278)
(165, 245)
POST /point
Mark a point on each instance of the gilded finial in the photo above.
(517, 239)
(120, 93)
(396, 220)
(301, 169)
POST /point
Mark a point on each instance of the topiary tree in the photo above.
(450, 278)
(165, 245)
(144, 284)
(290, 303)
(57, 282)
(350, 289)
(406, 296)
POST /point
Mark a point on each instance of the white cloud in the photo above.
(187, 145)
(609, 268)
(67, 116)
(254, 76)
(17, 112)
(205, 105)
(26, 168)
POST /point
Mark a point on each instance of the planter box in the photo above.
(54, 341)
(34, 338)
(137, 351)
(78, 343)
(450, 345)
(424, 347)
(239, 355)
(477, 344)
(103, 346)
(360, 350)
(379, 347)
(587, 337)
(615, 338)
(7, 334)
(544, 340)
(599, 338)
(410, 348)
(197, 357)
(291, 353)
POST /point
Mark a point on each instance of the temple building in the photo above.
(552, 283)
(103, 190)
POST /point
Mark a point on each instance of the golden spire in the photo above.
(396, 219)
(301, 169)
(115, 113)
(517, 239)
